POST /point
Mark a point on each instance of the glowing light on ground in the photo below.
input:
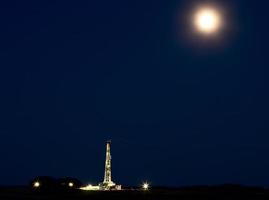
(145, 186)
(36, 184)
(90, 187)
(207, 20)
(71, 184)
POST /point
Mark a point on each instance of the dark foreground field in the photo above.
(190, 193)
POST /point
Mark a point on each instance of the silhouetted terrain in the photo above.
(228, 192)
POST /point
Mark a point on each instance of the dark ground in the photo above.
(188, 193)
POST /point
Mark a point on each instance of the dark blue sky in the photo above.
(180, 109)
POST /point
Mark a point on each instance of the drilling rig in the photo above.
(108, 184)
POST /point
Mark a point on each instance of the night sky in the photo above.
(180, 108)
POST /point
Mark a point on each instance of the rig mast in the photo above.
(108, 183)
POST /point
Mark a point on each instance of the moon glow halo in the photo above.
(207, 20)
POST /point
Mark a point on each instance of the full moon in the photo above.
(207, 20)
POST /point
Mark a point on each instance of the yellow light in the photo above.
(207, 20)
(36, 184)
(70, 184)
(90, 187)
(145, 186)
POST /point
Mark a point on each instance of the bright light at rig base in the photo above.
(90, 187)
(207, 20)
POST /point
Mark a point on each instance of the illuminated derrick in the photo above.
(107, 183)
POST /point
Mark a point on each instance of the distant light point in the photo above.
(71, 184)
(36, 184)
(145, 186)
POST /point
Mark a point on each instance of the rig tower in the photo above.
(108, 184)
(107, 178)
